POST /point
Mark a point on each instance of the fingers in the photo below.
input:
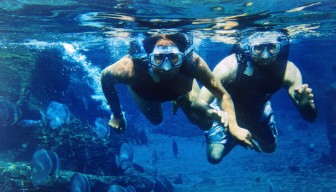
(117, 127)
(252, 144)
(255, 145)
(302, 88)
(304, 93)
(119, 130)
(247, 141)
(224, 118)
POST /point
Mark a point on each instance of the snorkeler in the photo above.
(257, 68)
(167, 73)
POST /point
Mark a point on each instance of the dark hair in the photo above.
(134, 48)
(179, 39)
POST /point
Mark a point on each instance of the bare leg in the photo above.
(216, 152)
(152, 110)
(185, 101)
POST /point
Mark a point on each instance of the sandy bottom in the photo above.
(295, 166)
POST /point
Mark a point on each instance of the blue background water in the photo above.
(80, 38)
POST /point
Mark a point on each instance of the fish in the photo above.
(30, 123)
(10, 113)
(126, 152)
(175, 148)
(57, 114)
(142, 137)
(124, 164)
(130, 188)
(270, 185)
(43, 164)
(101, 128)
(125, 159)
(154, 158)
(80, 183)
(116, 188)
(34, 123)
(55, 163)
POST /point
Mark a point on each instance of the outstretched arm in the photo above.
(110, 76)
(301, 94)
(211, 81)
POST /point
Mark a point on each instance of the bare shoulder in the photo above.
(292, 71)
(122, 68)
(292, 75)
(198, 60)
(227, 67)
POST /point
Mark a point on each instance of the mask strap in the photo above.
(187, 51)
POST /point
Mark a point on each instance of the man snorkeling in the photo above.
(257, 68)
(167, 73)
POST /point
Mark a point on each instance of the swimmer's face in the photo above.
(166, 59)
(264, 54)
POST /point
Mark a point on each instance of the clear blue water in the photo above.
(72, 41)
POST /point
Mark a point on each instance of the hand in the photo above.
(304, 95)
(118, 124)
(245, 138)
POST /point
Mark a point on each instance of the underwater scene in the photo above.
(118, 96)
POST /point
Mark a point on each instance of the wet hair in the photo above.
(180, 39)
(134, 48)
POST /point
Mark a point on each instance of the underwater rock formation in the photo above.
(50, 78)
(16, 177)
(16, 68)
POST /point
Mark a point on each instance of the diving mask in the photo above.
(256, 43)
(273, 48)
(163, 54)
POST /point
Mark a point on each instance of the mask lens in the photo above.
(257, 49)
(174, 58)
(158, 59)
(273, 48)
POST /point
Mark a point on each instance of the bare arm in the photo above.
(301, 94)
(118, 72)
(224, 72)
